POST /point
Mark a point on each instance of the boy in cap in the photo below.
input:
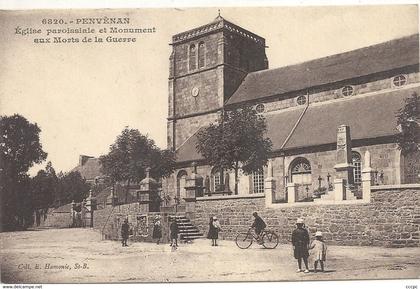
(174, 233)
(318, 251)
(300, 242)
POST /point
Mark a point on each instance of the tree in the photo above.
(20, 148)
(44, 187)
(408, 121)
(236, 142)
(71, 187)
(130, 155)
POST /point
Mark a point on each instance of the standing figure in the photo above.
(174, 233)
(157, 230)
(214, 228)
(259, 226)
(318, 251)
(300, 241)
(124, 233)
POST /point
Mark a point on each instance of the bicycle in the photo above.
(269, 239)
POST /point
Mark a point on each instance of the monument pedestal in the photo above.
(148, 192)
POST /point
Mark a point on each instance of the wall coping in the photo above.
(318, 203)
(395, 187)
(214, 198)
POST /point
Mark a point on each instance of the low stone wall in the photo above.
(54, 219)
(392, 218)
(109, 220)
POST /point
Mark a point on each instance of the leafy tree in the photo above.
(130, 155)
(44, 187)
(20, 148)
(236, 142)
(72, 186)
(408, 121)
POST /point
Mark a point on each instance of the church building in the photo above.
(221, 66)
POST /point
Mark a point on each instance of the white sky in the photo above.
(82, 96)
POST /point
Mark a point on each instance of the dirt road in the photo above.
(79, 255)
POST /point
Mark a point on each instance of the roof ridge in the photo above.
(333, 55)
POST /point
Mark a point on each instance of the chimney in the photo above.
(83, 159)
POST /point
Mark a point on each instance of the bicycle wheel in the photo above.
(270, 240)
(243, 240)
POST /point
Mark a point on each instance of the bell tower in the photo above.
(207, 65)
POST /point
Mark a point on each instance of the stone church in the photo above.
(221, 66)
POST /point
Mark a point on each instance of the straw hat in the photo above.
(299, 221)
(318, 234)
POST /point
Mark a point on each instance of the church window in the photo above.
(301, 100)
(258, 181)
(201, 55)
(357, 163)
(301, 171)
(399, 80)
(192, 57)
(347, 90)
(216, 180)
(260, 108)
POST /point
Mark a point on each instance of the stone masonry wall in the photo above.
(56, 220)
(108, 221)
(392, 218)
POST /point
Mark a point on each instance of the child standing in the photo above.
(174, 234)
(318, 251)
(214, 228)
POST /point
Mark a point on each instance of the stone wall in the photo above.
(55, 219)
(392, 218)
(108, 221)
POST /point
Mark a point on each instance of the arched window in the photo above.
(201, 55)
(357, 163)
(192, 57)
(180, 184)
(216, 180)
(300, 171)
(258, 182)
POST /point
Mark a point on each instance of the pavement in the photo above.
(80, 256)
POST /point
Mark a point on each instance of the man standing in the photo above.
(300, 242)
(124, 233)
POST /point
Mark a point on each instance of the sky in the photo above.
(83, 95)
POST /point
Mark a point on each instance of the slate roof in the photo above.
(356, 63)
(368, 117)
(90, 169)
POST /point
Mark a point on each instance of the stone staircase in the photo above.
(187, 231)
(329, 197)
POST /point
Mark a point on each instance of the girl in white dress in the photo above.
(318, 251)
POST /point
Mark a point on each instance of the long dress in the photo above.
(300, 240)
(157, 230)
(214, 228)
